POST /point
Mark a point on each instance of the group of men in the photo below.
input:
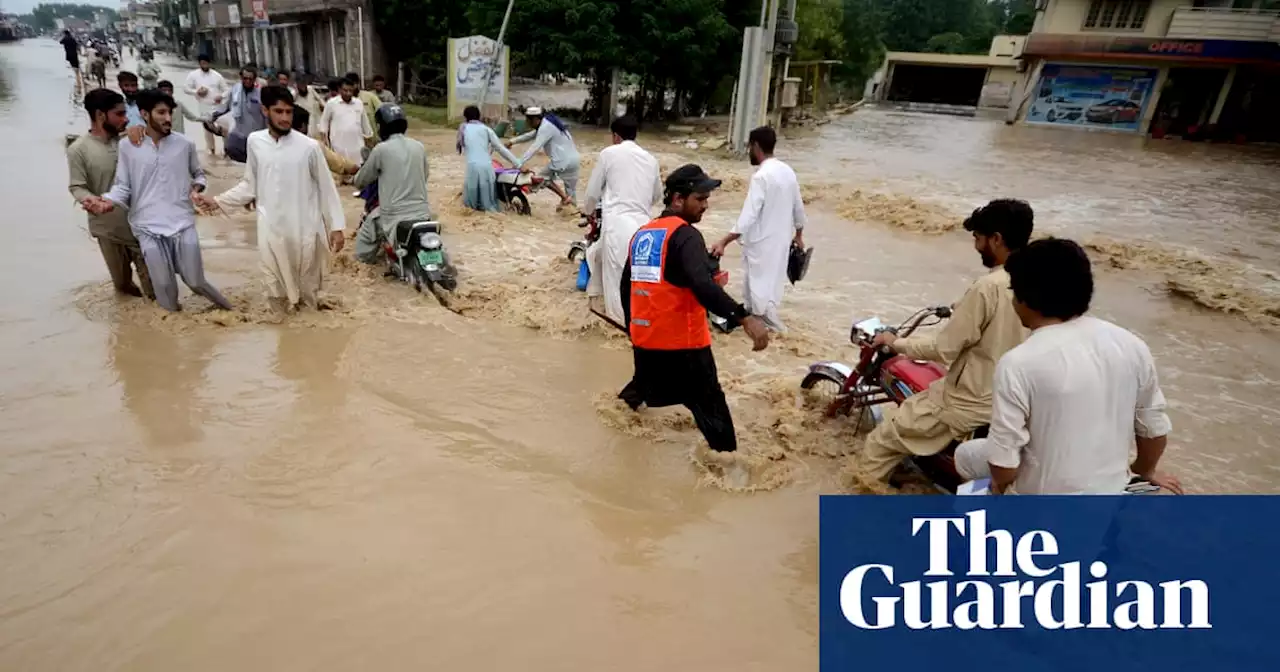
(1064, 403)
(1065, 395)
(656, 276)
(156, 175)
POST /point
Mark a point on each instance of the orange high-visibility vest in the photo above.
(663, 316)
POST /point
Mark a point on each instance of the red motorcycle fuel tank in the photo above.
(900, 372)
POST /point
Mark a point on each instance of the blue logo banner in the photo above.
(1049, 583)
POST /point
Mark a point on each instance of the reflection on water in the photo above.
(160, 376)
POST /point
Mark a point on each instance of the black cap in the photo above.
(690, 179)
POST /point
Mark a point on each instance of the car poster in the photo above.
(1092, 96)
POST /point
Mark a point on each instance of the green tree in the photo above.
(822, 35)
(402, 27)
(947, 43)
(43, 16)
(864, 44)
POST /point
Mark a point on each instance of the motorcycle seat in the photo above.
(406, 229)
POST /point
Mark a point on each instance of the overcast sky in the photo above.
(25, 6)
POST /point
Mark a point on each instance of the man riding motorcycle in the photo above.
(983, 327)
(398, 164)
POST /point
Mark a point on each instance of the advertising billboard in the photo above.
(1093, 96)
(469, 59)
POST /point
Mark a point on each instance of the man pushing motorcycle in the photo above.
(983, 326)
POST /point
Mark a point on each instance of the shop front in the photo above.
(1181, 88)
(1107, 97)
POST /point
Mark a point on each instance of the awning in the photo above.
(1143, 48)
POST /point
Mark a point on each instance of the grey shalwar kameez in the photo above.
(154, 181)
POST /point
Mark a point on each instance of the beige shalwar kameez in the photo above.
(983, 326)
(297, 205)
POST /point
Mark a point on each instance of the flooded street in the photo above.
(391, 485)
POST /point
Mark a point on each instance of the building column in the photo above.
(1157, 88)
(1222, 95)
(1018, 94)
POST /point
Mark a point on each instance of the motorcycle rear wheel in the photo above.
(520, 204)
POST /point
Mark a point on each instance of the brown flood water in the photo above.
(391, 485)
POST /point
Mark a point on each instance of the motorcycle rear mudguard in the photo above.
(837, 372)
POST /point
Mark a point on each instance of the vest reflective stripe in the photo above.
(663, 316)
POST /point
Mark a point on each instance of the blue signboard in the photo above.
(1127, 582)
(1085, 95)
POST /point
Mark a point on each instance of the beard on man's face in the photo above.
(988, 259)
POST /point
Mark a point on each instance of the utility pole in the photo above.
(497, 56)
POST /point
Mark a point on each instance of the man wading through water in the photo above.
(159, 182)
(91, 163)
(667, 288)
(299, 212)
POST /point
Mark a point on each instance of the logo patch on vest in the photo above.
(646, 255)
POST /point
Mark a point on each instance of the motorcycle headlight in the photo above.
(430, 241)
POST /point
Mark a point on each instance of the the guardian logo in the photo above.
(1054, 597)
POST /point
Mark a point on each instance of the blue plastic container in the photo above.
(584, 275)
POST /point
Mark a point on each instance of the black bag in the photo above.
(798, 263)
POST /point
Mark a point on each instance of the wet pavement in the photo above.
(390, 484)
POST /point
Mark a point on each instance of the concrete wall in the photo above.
(1067, 16)
(998, 90)
(1007, 46)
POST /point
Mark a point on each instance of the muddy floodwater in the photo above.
(390, 485)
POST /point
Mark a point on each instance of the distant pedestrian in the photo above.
(370, 99)
(128, 83)
(309, 100)
(244, 104)
(208, 86)
(380, 89)
(149, 70)
(344, 123)
(772, 219)
(181, 115)
(72, 49)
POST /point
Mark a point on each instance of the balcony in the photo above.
(1212, 23)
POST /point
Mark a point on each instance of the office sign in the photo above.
(1234, 51)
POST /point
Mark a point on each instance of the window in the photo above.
(1117, 14)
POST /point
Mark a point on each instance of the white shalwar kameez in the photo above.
(771, 216)
(626, 180)
(347, 125)
(297, 206)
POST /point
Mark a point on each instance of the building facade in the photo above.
(318, 37)
(954, 83)
(1188, 68)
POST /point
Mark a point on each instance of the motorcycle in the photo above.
(578, 248)
(883, 377)
(416, 255)
(512, 187)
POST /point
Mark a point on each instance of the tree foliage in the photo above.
(43, 16)
(684, 53)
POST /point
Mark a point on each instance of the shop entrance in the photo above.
(947, 85)
(1187, 101)
(1252, 112)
